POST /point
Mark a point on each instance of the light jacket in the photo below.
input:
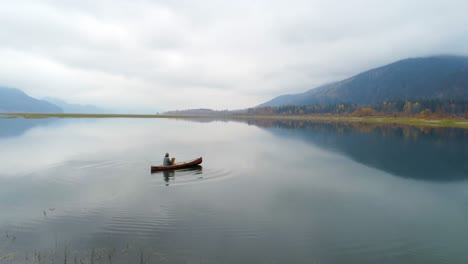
(167, 161)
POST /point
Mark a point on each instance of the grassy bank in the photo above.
(440, 122)
(413, 121)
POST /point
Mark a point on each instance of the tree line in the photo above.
(420, 108)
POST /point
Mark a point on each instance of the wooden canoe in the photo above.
(179, 165)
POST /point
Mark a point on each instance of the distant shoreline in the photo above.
(455, 122)
(412, 121)
(70, 115)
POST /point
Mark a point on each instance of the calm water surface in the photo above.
(267, 192)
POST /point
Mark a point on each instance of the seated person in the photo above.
(167, 161)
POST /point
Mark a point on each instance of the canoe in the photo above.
(179, 165)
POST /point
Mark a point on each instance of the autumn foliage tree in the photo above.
(419, 108)
(425, 113)
(365, 111)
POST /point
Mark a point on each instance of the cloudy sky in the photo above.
(164, 55)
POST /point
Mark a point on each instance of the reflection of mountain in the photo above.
(435, 154)
(11, 127)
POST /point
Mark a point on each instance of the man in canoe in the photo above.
(167, 161)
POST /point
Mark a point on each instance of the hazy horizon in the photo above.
(145, 56)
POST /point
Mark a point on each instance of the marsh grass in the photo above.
(131, 252)
(92, 256)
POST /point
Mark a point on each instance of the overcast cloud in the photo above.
(179, 54)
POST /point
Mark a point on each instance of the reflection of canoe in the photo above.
(180, 165)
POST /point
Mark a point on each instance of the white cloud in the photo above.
(157, 55)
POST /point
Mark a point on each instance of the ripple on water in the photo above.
(389, 248)
(76, 173)
(65, 203)
(195, 175)
(79, 172)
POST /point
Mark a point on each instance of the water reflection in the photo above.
(425, 153)
(87, 189)
(12, 127)
(170, 175)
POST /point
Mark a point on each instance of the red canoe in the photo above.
(177, 166)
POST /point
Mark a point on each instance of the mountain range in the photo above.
(75, 108)
(436, 77)
(14, 100)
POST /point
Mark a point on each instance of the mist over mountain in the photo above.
(75, 108)
(437, 77)
(198, 111)
(14, 100)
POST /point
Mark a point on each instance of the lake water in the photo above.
(267, 192)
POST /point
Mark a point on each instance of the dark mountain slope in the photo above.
(439, 77)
